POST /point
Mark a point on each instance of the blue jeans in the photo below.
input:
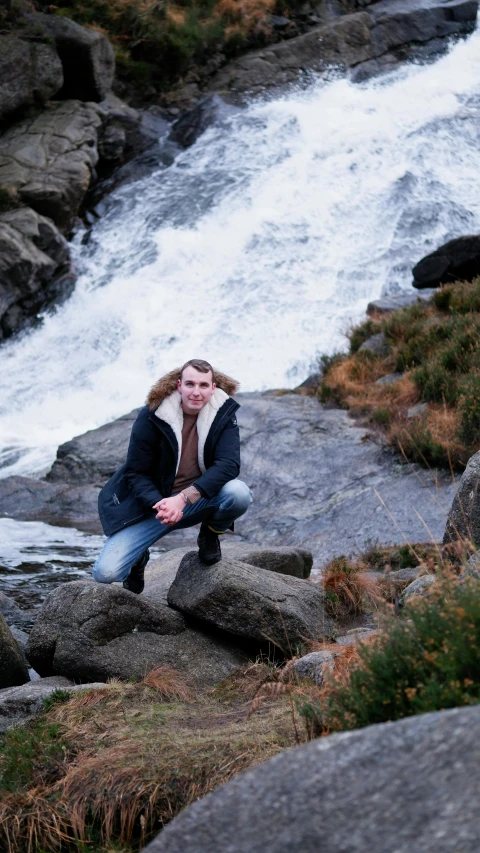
(122, 549)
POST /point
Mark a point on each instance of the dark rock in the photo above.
(112, 142)
(30, 74)
(13, 669)
(375, 30)
(34, 267)
(457, 260)
(405, 787)
(19, 704)
(27, 499)
(463, 520)
(250, 602)
(49, 160)
(93, 632)
(190, 126)
(377, 345)
(87, 58)
(94, 456)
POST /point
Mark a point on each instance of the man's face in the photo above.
(196, 389)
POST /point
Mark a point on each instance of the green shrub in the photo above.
(382, 415)
(428, 661)
(358, 335)
(469, 409)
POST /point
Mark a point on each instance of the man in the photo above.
(181, 469)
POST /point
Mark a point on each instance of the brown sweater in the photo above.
(188, 470)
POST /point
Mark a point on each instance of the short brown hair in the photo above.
(200, 365)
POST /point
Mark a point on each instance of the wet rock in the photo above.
(87, 58)
(420, 586)
(92, 632)
(27, 499)
(190, 126)
(457, 260)
(315, 666)
(390, 28)
(19, 704)
(13, 669)
(49, 160)
(35, 267)
(30, 74)
(250, 602)
(376, 344)
(398, 787)
(463, 522)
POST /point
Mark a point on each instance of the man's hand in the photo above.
(170, 510)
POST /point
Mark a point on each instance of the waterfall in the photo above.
(256, 249)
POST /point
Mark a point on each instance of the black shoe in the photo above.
(209, 551)
(135, 581)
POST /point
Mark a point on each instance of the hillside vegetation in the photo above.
(432, 356)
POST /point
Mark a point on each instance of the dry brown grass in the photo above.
(349, 587)
(136, 758)
(245, 14)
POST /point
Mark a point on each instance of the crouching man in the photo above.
(181, 469)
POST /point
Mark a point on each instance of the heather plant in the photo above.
(427, 661)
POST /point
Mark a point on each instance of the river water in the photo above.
(256, 248)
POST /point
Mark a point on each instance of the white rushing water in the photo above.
(255, 249)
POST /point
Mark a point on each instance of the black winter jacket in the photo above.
(149, 471)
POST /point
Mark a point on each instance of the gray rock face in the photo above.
(13, 669)
(19, 704)
(48, 161)
(317, 483)
(463, 520)
(91, 632)
(34, 266)
(87, 58)
(30, 74)
(381, 29)
(251, 602)
(94, 456)
(457, 260)
(405, 787)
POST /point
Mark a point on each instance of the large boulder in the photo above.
(389, 29)
(250, 602)
(48, 160)
(30, 74)
(35, 267)
(91, 632)
(463, 522)
(28, 499)
(87, 57)
(94, 456)
(406, 787)
(457, 260)
(13, 669)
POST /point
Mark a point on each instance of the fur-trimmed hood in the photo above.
(168, 384)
